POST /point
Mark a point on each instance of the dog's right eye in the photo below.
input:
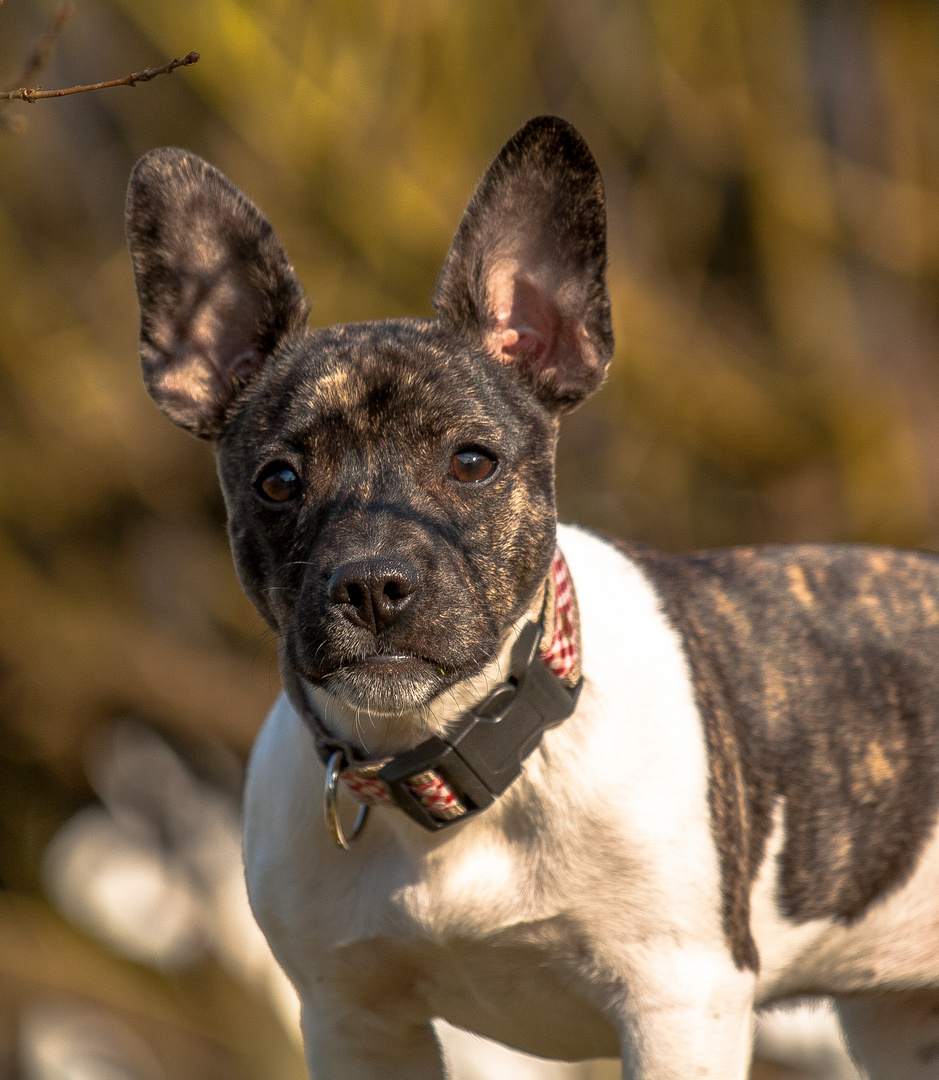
(278, 483)
(471, 465)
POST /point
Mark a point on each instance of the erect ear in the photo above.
(527, 267)
(217, 293)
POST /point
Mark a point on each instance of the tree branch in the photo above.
(128, 80)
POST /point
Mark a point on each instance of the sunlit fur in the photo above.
(743, 805)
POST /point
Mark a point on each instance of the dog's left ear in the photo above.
(526, 272)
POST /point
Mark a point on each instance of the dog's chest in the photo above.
(506, 925)
(476, 933)
(519, 985)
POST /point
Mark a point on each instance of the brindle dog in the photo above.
(741, 807)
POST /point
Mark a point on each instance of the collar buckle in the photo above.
(483, 755)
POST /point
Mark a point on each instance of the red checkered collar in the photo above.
(441, 781)
(559, 650)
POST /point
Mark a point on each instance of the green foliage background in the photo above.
(772, 169)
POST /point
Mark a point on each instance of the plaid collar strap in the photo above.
(440, 781)
(559, 650)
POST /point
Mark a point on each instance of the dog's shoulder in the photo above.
(814, 669)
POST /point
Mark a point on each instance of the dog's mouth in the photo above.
(386, 682)
(395, 665)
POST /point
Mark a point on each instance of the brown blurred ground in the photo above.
(773, 178)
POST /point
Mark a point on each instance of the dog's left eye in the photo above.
(469, 466)
(278, 483)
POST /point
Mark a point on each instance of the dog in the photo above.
(610, 800)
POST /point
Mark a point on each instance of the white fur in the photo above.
(578, 917)
(805, 1036)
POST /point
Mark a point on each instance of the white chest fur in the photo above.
(524, 922)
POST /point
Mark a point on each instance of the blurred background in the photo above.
(772, 169)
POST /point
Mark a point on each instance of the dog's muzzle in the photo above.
(442, 781)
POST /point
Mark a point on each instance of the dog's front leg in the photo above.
(686, 1015)
(361, 1044)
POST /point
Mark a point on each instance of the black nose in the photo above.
(373, 592)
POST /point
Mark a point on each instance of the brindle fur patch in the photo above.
(817, 675)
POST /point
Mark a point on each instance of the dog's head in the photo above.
(390, 485)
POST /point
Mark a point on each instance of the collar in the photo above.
(444, 780)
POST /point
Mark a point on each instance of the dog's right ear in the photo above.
(217, 292)
(526, 272)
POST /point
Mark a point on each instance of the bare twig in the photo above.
(128, 80)
(40, 53)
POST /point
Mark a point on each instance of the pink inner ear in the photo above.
(526, 321)
(533, 331)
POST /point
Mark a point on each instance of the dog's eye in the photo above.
(278, 483)
(469, 466)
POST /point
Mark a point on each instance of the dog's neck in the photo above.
(381, 734)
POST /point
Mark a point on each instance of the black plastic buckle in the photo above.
(486, 751)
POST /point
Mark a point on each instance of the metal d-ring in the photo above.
(337, 761)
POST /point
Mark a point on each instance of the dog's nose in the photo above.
(373, 592)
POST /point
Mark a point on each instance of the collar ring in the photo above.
(335, 765)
